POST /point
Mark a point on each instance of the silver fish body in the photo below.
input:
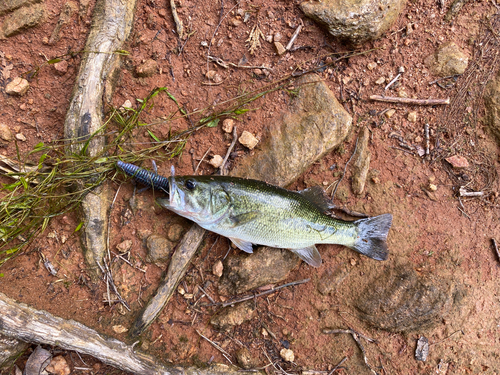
(254, 212)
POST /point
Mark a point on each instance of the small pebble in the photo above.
(376, 180)
(217, 268)
(174, 232)
(18, 86)
(227, 125)
(147, 68)
(58, 366)
(277, 37)
(124, 246)
(280, 50)
(412, 116)
(418, 139)
(120, 329)
(390, 113)
(380, 81)
(371, 65)
(401, 69)
(21, 137)
(458, 161)
(5, 133)
(210, 74)
(244, 358)
(61, 67)
(287, 355)
(248, 140)
(216, 161)
(432, 187)
(402, 93)
(235, 22)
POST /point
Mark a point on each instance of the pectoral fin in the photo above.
(309, 254)
(243, 245)
(244, 218)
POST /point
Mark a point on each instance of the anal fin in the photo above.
(309, 254)
(242, 245)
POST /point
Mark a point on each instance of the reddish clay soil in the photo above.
(432, 230)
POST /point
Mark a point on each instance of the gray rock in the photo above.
(266, 265)
(492, 103)
(175, 232)
(315, 124)
(7, 6)
(354, 21)
(400, 301)
(21, 19)
(159, 248)
(244, 358)
(233, 316)
(447, 60)
(361, 162)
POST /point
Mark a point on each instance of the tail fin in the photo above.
(372, 235)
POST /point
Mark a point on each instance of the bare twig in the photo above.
(223, 170)
(206, 294)
(214, 345)
(178, 22)
(465, 193)
(226, 65)
(202, 158)
(294, 36)
(345, 169)
(270, 291)
(392, 99)
(427, 139)
(495, 247)
(336, 367)
(355, 335)
(402, 149)
(392, 82)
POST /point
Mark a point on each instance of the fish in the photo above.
(252, 212)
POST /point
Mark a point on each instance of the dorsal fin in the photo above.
(317, 196)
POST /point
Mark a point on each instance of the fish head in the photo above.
(198, 198)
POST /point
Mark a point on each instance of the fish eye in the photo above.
(190, 184)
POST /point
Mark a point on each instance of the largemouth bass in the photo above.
(254, 212)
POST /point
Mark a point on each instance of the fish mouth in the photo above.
(176, 195)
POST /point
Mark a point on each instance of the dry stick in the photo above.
(270, 291)
(24, 323)
(202, 158)
(226, 65)
(465, 193)
(392, 82)
(345, 169)
(336, 367)
(223, 170)
(495, 247)
(93, 88)
(392, 99)
(427, 139)
(294, 36)
(355, 335)
(176, 270)
(214, 344)
(178, 22)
